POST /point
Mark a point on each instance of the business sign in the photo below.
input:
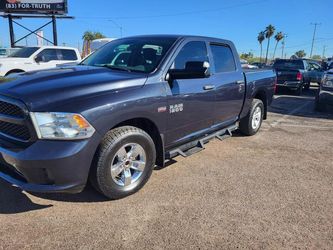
(34, 6)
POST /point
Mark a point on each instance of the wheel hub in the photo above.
(128, 164)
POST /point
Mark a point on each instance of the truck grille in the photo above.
(10, 109)
(15, 124)
(15, 130)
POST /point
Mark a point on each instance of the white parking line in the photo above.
(290, 113)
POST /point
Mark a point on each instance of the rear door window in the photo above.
(223, 58)
(68, 55)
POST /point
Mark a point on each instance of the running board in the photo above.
(199, 145)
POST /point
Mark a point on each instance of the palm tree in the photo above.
(261, 38)
(278, 37)
(269, 32)
(88, 37)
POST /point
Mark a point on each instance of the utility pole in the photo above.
(314, 36)
(324, 50)
(283, 44)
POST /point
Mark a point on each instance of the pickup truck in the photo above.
(297, 74)
(324, 96)
(128, 107)
(37, 58)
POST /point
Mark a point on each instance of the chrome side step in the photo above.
(199, 145)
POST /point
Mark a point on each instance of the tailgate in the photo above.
(284, 75)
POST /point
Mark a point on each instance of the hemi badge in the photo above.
(162, 109)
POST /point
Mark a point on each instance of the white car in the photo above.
(37, 58)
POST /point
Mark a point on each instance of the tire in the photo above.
(307, 86)
(246, 125)
(130, 172)
(299, 91)
(319, 106)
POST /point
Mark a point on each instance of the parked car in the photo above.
(324, 97)
(4, 52)
(37, 58)
(296, 74)
(114, 120)
(259, 64)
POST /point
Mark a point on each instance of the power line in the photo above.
(314, 35)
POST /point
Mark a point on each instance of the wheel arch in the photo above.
(14, 71)
(262, 95)
(152, 130)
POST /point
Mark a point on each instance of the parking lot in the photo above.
(273, 190)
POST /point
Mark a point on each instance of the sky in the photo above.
(237, 20)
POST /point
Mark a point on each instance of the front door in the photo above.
(191, 102)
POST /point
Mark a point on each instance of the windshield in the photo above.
(131, 54)
(290, 64)
(24, 52)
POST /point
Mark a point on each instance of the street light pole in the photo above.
(324, 50)
(120, 27)
(314, 35)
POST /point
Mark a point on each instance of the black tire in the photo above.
(245, 125)
(307, 86)
(319, 106)
(114, 140)
(299, 91)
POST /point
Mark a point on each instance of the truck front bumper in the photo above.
(49, 166)
(326, 95)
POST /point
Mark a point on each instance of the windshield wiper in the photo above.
(114, 67)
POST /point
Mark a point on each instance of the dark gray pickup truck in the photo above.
(128, 107)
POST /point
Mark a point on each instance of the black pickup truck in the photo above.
(297, 74)
(125, 109)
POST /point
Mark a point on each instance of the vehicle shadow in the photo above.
(14, 201)
(286, 103)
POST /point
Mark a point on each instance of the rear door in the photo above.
(229, 82)
(191, 104)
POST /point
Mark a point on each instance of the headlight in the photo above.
(328, 80)
(328, 83)
(61, 126)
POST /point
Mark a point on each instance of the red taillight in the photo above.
(299, 76)
(275, 86)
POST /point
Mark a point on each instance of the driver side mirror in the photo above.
(192, 70)
(38, 59)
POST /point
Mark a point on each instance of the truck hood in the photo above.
(54, 87)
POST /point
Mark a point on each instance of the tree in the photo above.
(261, 38)
(246, 56)
(278, 37)
(87, 37)
(316, 57)
(269, 32)
(300, 53)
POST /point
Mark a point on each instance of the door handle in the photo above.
(209, 87)
(240, 82)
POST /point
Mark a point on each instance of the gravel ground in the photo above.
(273, 190)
